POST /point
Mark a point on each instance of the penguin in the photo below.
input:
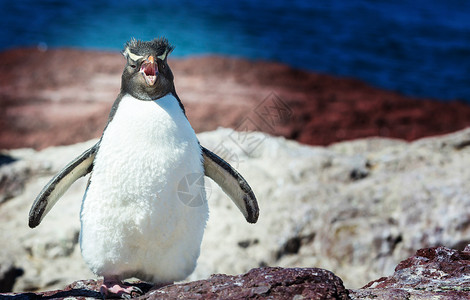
(134, 222)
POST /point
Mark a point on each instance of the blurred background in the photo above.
(418, 48)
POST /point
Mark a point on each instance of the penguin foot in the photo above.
(113, 288)
(120, 291)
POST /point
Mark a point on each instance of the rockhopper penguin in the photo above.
(133, 223)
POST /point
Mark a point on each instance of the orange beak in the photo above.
(149, 70)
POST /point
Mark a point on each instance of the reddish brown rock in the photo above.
(262, 283)
(433, 273)
(430, 273)
(63, 96)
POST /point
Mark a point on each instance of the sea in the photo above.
(419, 48)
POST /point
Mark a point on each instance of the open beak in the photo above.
(149, 70)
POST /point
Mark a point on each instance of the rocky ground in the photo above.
(433, 273)
(61, 97)
(354, 208)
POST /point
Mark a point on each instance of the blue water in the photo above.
(418, 48)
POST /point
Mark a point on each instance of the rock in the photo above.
(8, 275)
(432, 273)
(267, 282)
(262, 283)
(10, 184)
(61, 97)
(83, 289)
(354, 208)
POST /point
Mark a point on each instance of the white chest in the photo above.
(131, 208)
(148, 147)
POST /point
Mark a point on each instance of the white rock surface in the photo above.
(355, 208)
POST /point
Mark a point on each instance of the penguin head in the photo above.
(147, 75)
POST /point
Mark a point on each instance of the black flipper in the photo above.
(61, 182)
(232, 183)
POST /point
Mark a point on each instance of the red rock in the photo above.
(437, 272)
(431, 272)
(262, 283)
(63, 96)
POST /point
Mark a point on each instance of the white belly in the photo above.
(134, 222)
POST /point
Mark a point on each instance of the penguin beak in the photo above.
(149, 70)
